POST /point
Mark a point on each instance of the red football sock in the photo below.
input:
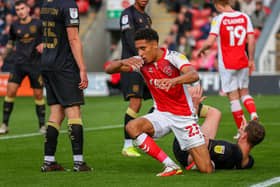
(249, 104)
(237, 115)
(237, 112)
(149, 146)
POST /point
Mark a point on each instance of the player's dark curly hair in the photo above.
(18, 2)
(256, 132)
(146, 34)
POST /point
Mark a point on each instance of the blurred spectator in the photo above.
(170, 42)
(184, 47)
(259, 16)
(205, 29)
(188, 15)
(248, 7)
(190, 39)
(209, 4)
(235, 5)
(183, 25)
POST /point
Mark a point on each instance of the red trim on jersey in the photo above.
(214, 34)
(184, 66)
(163, 56)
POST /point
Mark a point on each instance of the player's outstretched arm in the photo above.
(77, 50)
(125, 65)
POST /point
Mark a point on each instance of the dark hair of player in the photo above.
(146, 34)
(19, 2)
(221, 2)
(256, 132)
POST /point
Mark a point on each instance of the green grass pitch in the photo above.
(21, 158)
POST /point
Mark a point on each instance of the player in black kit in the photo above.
(132, 84)
(26, 34)
(65, 77)
(226, 155)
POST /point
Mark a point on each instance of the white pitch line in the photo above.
(7, 137)
(61, 132)
(266, 183)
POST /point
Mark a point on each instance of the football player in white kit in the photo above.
(166, 73)
(232, 29)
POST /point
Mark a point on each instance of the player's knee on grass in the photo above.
(202, 160)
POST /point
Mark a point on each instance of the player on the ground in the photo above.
(65, 77)
(166, 73)
(225, 155)
(232, 29)
(25, 35)
(132, 84)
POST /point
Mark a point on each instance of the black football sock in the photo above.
(8, 106)
(129, 115)
(75, 129)
(40, 111)
(51, 138)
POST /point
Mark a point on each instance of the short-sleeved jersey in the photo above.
(131, 20)
(57, 15)
(225, 155)
(26, 37)
(231, 29)
(177, 99)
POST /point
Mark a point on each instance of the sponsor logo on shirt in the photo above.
(220, 149)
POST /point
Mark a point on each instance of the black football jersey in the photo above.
(26, 37)
(131, 20)
(57, 16)
(225, 155)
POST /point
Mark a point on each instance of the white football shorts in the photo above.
(234, 79)
(185, 128)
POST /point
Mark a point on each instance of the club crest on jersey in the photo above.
(33, 29)
(73, 13)
(220, 149)
(125, 19)
(167, 70)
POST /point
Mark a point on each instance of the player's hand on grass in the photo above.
(165, 84)
(84, 80)
(251, 66)
(133, 62)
